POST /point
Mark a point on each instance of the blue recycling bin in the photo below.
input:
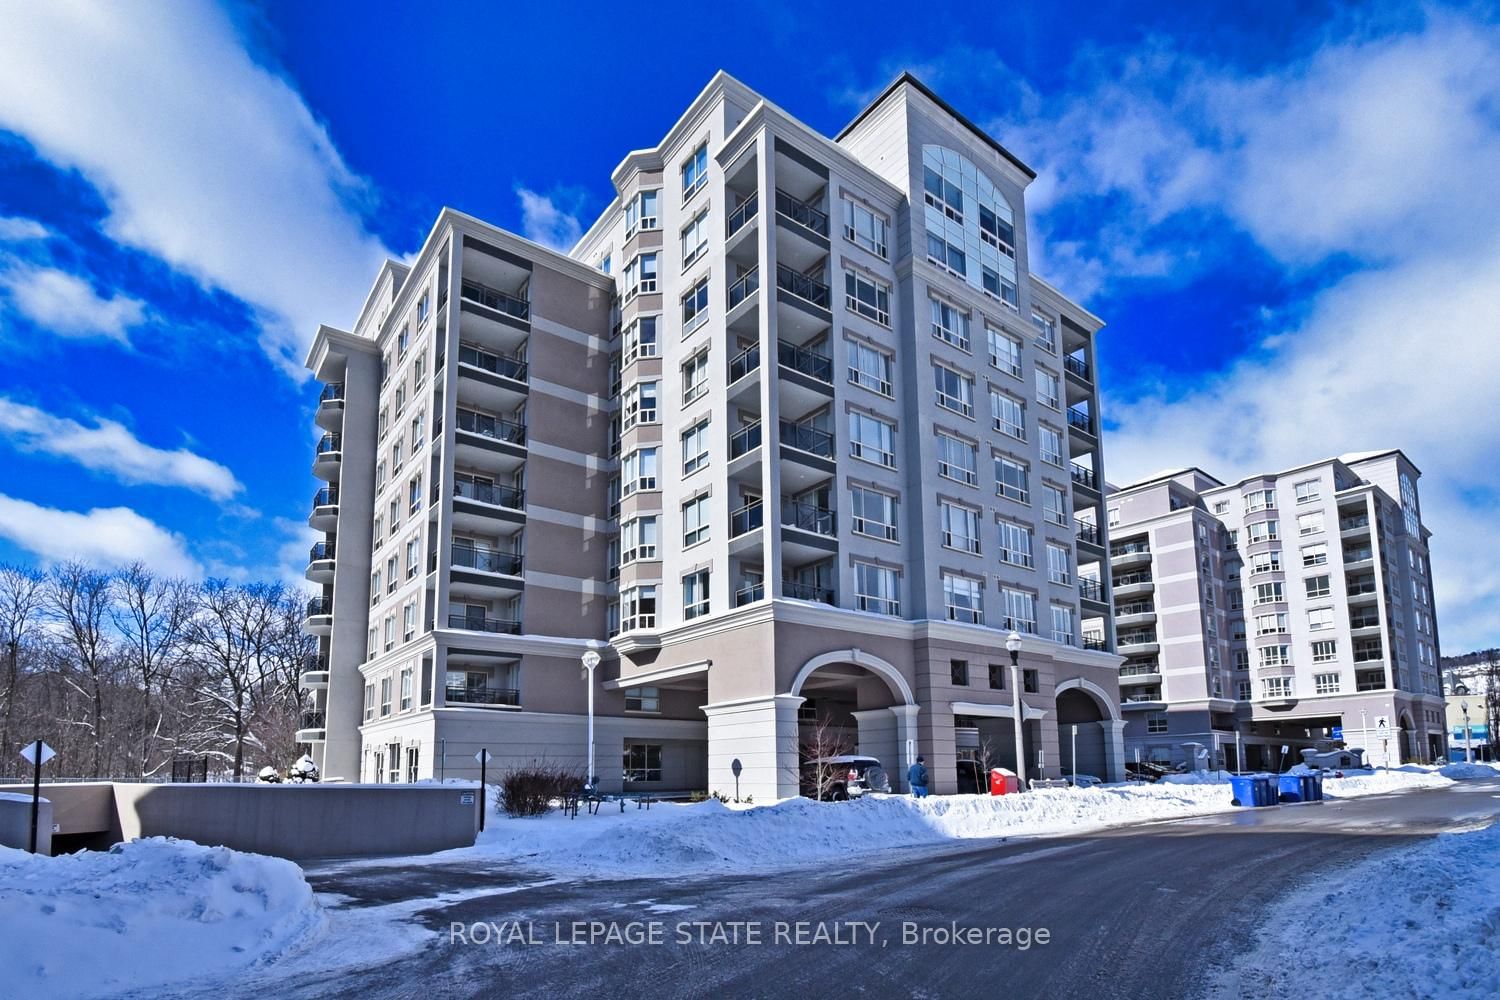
(1291, 789)
(1244, 790)
(1313, 787)
(1265, 790)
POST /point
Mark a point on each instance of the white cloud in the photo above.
(111, 448)
(204, 158)
(544, 221)
(105, 536)
(15, 229)
(67, 305)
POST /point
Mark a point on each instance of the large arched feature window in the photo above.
(971, 229)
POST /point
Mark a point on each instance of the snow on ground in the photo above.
(670, 838)
(1417, 921)
(143, 915)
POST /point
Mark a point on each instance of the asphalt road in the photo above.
(1144, 911)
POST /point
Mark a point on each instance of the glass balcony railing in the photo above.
(497, 364)
(491, 427)
(1078, 367)
(802, 213)
(487, 560)
(319, 606)
(330, 444)
(1090, 590)
(804, 286)
(482, 695)
(479, 623)
(490, 493)
(328, 496)
(749, 595)
(744, 363)
(743, 214)
(745, 440)
(1083, 421)
(333, 392)
(1084, 477)
(807, 517)
(320, 551)
(744, 287)
(746, 519)
(806, 592)
(495, 299)
(805, 360)
(1087, 532)
(806, 438)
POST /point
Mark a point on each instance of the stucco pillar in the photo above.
(1114, 748)
(878, 739)
(908, 746)
(760, 735)
(1045, 729)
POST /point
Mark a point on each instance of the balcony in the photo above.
(329, 455)
(742, 215)
(486, 560)
(491, 380)
(1080, 421)
(807, 517)
(806, 592)
(1084, 478)
(744, 363)
(744, 441)
(1091, 590)
(805, 361)
(1129, 555)
(1362, 590)
(1140, 673)
(491, 494)
(313, 728)
(802, 286)
(494, 428)
(1095, 643)
(1136, 613)
(320, 562)
(1354, 527)
(801, 213)
(314, 674)
(1088, 534)
(477, 623)
(806, 438)
(483, 695)
(746, 519)
(493, 298)
(325, 509)
(319, 619)
(1078, 368)
(745, 286)
(1359, 558)
(1137, 643)
(749, 595)
(330, 414)
(1132, 585)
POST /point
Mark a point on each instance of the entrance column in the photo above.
(877, 738)
(1114, 748)
(760, 736)
(907, 747)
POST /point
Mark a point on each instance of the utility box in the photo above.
(15, 822)
(1003, 781)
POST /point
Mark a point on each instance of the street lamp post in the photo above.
(1013, 646)
(590, 661)
(1468, 734)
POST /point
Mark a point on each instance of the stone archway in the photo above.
(865, 699)
(858, 658)
(1101, 740)
(1408, 738)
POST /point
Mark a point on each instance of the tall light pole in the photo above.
(591, 661)
(1468, 734)
(1013, 645)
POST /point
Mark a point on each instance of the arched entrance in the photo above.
(1408, 744)
(1099, 743)
(854, 702)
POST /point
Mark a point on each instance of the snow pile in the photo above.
(1462, 771)
(145, 914)
(1417, 921)
(1355, 783)
(1197, 778)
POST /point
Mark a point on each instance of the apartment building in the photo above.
(792, 439)
(1275, 612)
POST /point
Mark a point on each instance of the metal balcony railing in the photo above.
(1131, 579)
(1077, 418)
(744, 363)
(320, 551)
(491, 427)
(1129, 548)
(314, 720)
(806, 592)
(749, 595)
(498, 364)
(318, 606)
(483, 696)
(746, 519)
(1087, 532)
(802, 213)
(486, 560)
(498, 496)
(313, 662)
(1078, 367)
(1084, 477)
(330, 444)
(1091, 590)
(806, 438)
(1095, 642)
(805, 360)
(743, 214)
(745, 440)
(803, 286)
(479, 623)
(744, 287)
(807, 517)
(495, 299)
(328, 496)
(333, 392)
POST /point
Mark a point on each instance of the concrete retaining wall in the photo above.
(15, 823)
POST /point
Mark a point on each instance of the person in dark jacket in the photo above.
(916, 777)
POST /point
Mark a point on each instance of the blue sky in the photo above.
(1288, 220)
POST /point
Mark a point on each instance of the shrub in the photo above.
(529, 790)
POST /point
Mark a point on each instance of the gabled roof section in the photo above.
(906, 78)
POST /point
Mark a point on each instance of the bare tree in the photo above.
(151, 614)
(78, 598)
(228, 634)
(824, 740)
(20, 610)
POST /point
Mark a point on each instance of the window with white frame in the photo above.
(638, 538)
(1156, 723)
(408, 620)
(695, 306)
(638, 607)
(695, 376)
(869, 368)
(942, 194)
(642, 699)
(406, 689)
(640, 338)
(639, 404)
(867, 296)
(997, 230)
(695, 171)
(1243, 690)
(1315, 555)
(963, 598)
(955, 392)
(960, 526)
(640, 213)
(1005, 350)
(1310, 523)
(1265, 562)
(950, 323)
(877, 588)
(872, 513)
(1012, 479)
(640, 275)
(694, 239)
(1319, 619)
(872, 439)
(695, 521)
(1046, 331)
(638, 470)
(1052, 445)
(1257, 500)
(1059, 564)
(385, 696)
(1062, 624)
(413, 556)
(1000, 286)
(1325, 650)
(1009, 414)
(1054, 505)
(946, 255)
(864, 227)
(1015, 544)
(1048, 389)
(1262, 531)
(1272, 624)
(1019, 607)
(1325, 683)
(1275, 656)
(1308, 490)
(1269, 593)
(1317, 586)
(1276, 687)
(695, 594)
(957, 459)
(695, 447)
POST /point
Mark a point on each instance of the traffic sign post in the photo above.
(483, 757)
(38, 753)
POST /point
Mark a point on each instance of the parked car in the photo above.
(847, 776)
(1082, 780)
(1148, 771)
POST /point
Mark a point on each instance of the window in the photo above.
(392, 577)
(1263, 531)
(638, 608)
(872, 439)
(695, 306)
(694, 377)
(1046, 331)
(1048, 390)
(1319, 619)
(1005, 351)
(640, 275)
(1310, 524)
(997, 677)
(369, 702)
(1059, 564)
(1221, 506)
(640, 213)
(1012, 479)
(638, 470)
(1031, 681)
(869, 368)
(1052, 446)
(406, 689)
(642, 699)
(954, 391)
(1260, 500)
(877, 588)
(1232, 538)
(958, 671)
(695, 520)
(1242, 658)
(416, 433)
(395, 456)
(1307, 491)
(1156, 722)
(640, 404)
(999, 286)
(1243, 690)
(694, 239)
(695, 172)
(413, 556)
(1276, 687)
(695, 594)
(1054, 505)
(408, 620)
(950, 324)
(640, 339)
(385, 697)
(1325, 683)
(960, 527)
(413, 757)
(1062, 624)
(963, 599)
(1010, 414)
(873, 513)
(638, 539)
(695, 447)
(642, 762)
(1275, 656)
(1325, 651)
(1015, 544)
(1020, 609)
(997, 230)
(1315, 555)
(958, 459)
(1265, 562)
(414, 494)
(942, 194)
(864, 228)
(1269, 593)
(1272, 624)
(1317, 586)
(867, 296)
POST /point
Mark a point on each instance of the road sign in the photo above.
(483, 756)
(1337, 732)
(466, 799)
(38, 747)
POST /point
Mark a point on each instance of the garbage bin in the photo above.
(1290, 788)
(1265, 790)
(1003, 781)
(1243, 786)
(1315, 781)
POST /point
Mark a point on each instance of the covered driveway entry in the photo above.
(863, 698)
(1100, 738)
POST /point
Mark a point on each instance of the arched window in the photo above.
(970, 225)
